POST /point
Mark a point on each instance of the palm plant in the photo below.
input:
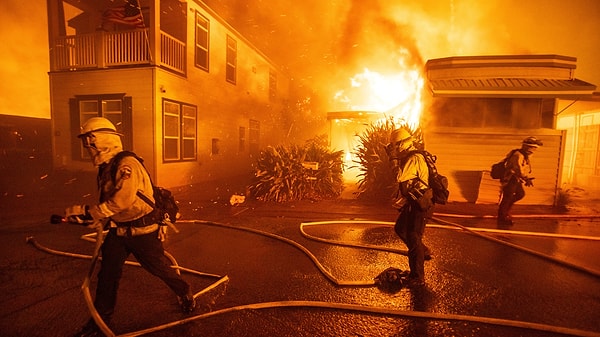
(294, 172)
(376, 180)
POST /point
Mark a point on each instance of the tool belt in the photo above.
(141, 226)
(135, 231)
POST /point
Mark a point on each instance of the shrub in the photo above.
(294, 172)
(377, 180)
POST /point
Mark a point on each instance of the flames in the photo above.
(397, 94)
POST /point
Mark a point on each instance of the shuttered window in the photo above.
(114, 107)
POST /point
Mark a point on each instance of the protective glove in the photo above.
(529, 182)
(98, 218)
(95, 225)
(399, 202)
(162, 233)
(78, 214)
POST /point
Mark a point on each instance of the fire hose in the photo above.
(526, 250)
(374, 310)
(343, 306)
(452, 225)
(85, 287)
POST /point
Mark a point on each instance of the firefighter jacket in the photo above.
(518, 166)
(118, 194)
(414, 174)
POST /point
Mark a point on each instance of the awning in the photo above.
(510, 87)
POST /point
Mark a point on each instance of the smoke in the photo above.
(323, 43)
(24, 62)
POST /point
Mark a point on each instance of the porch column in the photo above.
(99, 39)
(154, 32)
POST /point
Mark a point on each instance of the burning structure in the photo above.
(479, 108)
(192, 95)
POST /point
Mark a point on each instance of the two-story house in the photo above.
(192, 96)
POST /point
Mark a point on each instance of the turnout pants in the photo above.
(410, 226)
(149, 252)
(512, 192)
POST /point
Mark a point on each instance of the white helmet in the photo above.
(100, 137)
(98, 124)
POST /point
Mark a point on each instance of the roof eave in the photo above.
(512, 94)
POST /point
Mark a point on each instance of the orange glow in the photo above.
(397, 94)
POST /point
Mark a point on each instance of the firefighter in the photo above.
(129, 220)
(517, 173)
(413, 201)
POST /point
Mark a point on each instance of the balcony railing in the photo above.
(172, 53)
(114, 49)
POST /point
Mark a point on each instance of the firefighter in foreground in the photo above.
(517, 173)
(131, 224)
(413, 201)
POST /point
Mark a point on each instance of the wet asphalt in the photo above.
(494, 283)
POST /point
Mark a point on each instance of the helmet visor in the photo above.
(88, 140)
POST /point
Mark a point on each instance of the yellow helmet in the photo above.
(400, 135)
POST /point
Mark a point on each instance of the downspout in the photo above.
(154, 45)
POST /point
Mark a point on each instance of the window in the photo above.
(253, 135)
(214, 150)
(272, 85)
(202, 37)
(242, 139)
(179, 131)
(110, 109)
(231, 59)
(116, 108)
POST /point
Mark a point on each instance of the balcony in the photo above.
(116, 49)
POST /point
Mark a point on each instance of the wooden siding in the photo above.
(222, 108)
(136, 83)
(466, 155)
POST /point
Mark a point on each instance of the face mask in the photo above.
(102, 146)
(88, 140)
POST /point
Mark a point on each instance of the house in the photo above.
(192, 96)
(24, 146)
(580, 118)
(484, 106)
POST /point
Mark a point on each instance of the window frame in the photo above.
(272, 85)
(181, 137)
(79, 117)
(199, 47)
(231, 60)
(253, 136)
